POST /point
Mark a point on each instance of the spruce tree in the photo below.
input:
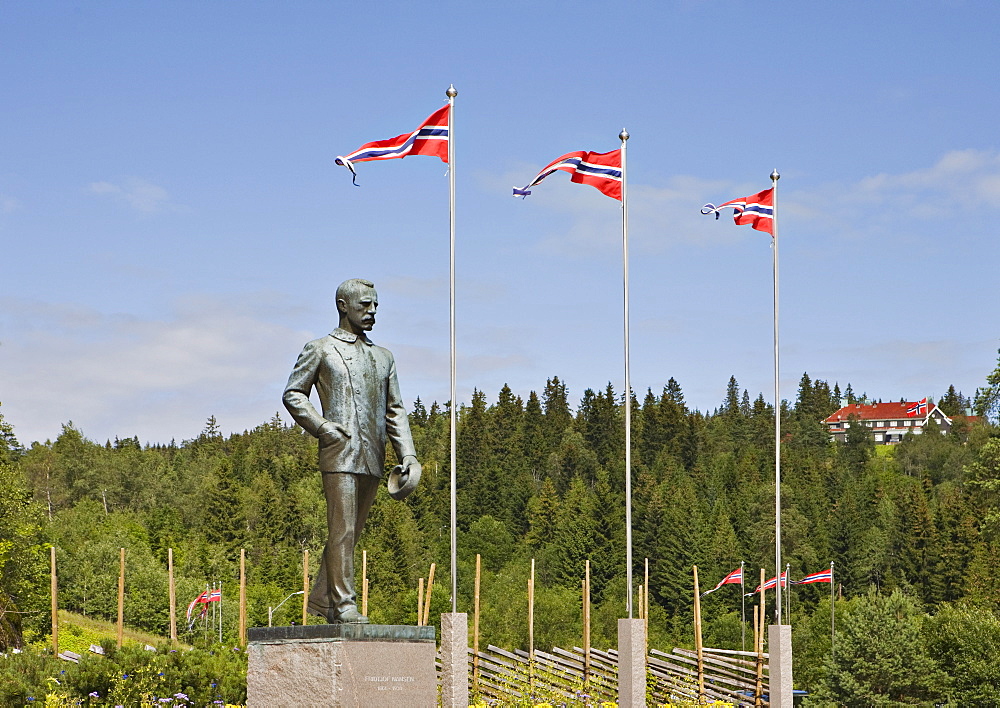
(879, 657)
(555, 402)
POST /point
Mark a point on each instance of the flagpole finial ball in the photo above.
(623, 135)
(775, 176)
(452, 91)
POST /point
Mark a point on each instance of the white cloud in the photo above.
(163, 377)
(139, 194)
(961, 182)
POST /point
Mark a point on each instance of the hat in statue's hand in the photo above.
(401, 484)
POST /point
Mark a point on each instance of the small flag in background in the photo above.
(215, 595)
(736, 577)
(824, 576)
(917, 409)
(431, 138)
(598, 169)
(201, 599)
(771, 583)
(756, 210)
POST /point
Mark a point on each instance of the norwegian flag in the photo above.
(756, 210)
(431, 138)
(917, 409)
(773, 582)
(598, 169)
(201, 599)
(824, 576)
(734, 578)
(215, 595)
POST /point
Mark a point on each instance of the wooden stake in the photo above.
(645, 596)
(427, 599)
(54, 587)
(475, 629)
(420, 602)
(531, 626)
(761, 619)
(305, 585)
(758, 690)
(172, 592)
(364, 582)
(243, 598)
(586, 623)
(699, 648)
(121, 597)
(763, 613)
(531, 613)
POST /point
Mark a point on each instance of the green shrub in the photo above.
(130, 676)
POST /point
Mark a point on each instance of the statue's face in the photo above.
(359, 309)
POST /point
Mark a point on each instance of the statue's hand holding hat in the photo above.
(404, 479)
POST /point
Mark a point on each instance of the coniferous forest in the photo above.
(912, 529)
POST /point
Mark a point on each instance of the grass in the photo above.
(77, 633)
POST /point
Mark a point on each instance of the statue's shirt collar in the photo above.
(345, 336)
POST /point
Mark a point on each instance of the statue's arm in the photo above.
(397, 424)
(300, 383)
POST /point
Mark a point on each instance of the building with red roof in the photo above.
(889, 422)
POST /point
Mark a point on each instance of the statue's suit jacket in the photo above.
(357, 387)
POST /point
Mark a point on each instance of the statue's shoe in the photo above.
(351, 615)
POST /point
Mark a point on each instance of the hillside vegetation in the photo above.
(912, 531)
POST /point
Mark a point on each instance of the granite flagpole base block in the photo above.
(365, 665)
(779, 644)
(631, 663)
(454, 660)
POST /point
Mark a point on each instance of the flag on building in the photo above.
(598, 169)
(917, 409)
(736, 577)
(431, 138)
(756, 210)
(824, 576)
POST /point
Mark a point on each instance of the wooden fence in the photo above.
(730, 676)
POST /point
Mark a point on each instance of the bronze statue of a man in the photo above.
(357, 387)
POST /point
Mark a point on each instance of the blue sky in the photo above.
(173, 227)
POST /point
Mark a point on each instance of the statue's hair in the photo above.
(352, 286)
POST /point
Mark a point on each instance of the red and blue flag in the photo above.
(736, 577)
(757, 210)
(431, 138)
(773, 582)
(598, 169)
(201, 599)
(824, 576)
(917, 409)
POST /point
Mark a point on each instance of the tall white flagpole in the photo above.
(451, 93)
(628, 387)
(777, 400)
(833, 624)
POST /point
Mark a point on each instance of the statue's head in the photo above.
(356, 303)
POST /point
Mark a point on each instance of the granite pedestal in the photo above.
(454, 660)
(632, 663)
(341, 665)
(779, 644)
